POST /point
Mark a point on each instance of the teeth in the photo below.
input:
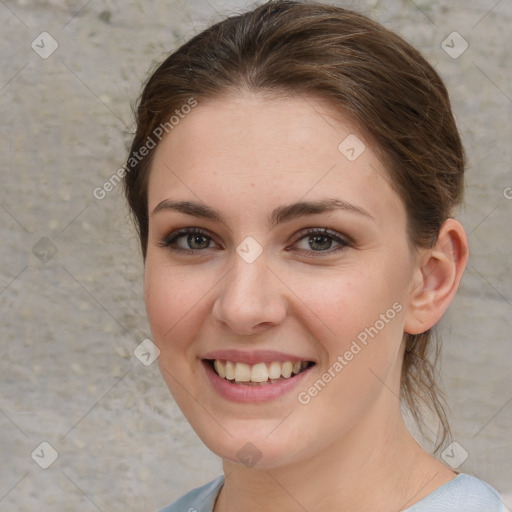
(274, 370)
(219, 368)
(242, 372)
(286, 369)
(230, 370)
(260, 372)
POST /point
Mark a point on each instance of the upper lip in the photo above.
(252, 356)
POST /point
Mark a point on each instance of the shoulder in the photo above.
(200, 499)
(465, 493)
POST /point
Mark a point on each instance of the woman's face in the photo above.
(259, 286)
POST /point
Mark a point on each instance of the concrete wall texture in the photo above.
(71, 303)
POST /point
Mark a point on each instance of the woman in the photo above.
(292, 177)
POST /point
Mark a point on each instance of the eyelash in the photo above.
(173, 237)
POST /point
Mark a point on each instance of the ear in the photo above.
(437, 278)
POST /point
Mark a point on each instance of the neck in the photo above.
(377, 466)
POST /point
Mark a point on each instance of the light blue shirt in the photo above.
(465, 493)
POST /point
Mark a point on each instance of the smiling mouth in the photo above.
(257, 374)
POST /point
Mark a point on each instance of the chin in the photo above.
(254, 448)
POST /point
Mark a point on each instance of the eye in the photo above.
(187, 239)
(320, 241)
(313, 240)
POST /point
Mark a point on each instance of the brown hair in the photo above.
(365, 72)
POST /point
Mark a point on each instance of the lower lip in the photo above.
(243, 393)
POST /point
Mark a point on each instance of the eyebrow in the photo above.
(279, 215)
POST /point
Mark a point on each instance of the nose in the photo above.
(250, 298)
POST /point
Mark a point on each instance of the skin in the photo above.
(244, 156)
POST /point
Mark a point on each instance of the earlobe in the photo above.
(437, 278)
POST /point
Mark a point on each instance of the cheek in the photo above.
(172, 299)
(356, 315)
(359, 324)
(347, 302)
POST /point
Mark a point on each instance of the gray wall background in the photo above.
(71, 306)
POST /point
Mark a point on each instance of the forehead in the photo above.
(252, 152)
